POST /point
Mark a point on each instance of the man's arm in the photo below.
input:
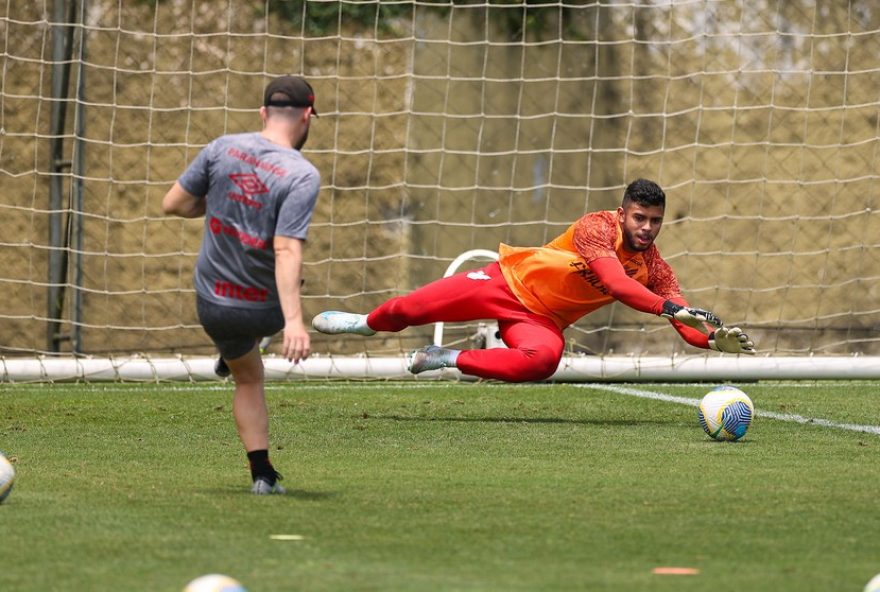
(288, 273)
(623, 288)
(633, 294)
(179, 202)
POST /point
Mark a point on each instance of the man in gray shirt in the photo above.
(257, 193)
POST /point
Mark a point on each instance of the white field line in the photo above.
(789, 417)
(319, 384)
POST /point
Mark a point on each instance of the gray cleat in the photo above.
(263, 487)
(431, 357)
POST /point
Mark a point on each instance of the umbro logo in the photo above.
(249, 183)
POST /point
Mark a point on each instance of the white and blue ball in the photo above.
(7, 477)
(726, 413)
(214, 583)
(873, 585)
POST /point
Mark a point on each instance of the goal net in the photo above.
(444, 127)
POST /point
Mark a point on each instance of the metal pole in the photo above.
(79, 170)
(61, 49)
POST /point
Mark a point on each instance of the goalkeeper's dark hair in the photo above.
(645, 193)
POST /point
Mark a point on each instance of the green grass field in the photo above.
(418, 486)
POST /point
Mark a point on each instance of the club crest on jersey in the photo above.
(478, 275)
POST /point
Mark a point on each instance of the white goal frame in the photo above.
(699, 368)
(708, 367)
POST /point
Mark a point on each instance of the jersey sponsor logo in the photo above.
(218, 227)
(248, 293)
(256, 162)
(584, 271)
(249, 184)
(478, 275)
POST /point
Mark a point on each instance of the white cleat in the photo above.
(334, 322)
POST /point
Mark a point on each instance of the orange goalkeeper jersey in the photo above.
(556, 281)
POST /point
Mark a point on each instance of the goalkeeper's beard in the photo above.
(633, 245)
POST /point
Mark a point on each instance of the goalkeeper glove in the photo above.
(731, 341)
(692, 317)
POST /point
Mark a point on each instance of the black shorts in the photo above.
(235, 331)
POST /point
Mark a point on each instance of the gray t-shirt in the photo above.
(256, 190)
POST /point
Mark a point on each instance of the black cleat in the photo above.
(221, 369)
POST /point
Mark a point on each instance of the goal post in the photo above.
(445, 127)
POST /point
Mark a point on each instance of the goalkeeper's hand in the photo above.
(732, 341)
(692, 317)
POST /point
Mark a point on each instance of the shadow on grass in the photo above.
(310, 496)
(290, 494)
(537, 420)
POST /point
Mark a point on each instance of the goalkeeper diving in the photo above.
(534, 293)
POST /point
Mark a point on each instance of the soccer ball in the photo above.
(726, 413)
(214, 583)
(873, 585)
(7, 477)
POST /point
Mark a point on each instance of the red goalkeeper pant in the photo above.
(534, 341)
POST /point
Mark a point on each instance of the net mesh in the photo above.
(448, 126)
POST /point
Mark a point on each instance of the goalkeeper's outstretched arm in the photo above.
(696, 326)
(630, 292)
(623, 288)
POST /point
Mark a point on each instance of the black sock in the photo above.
(260, 466)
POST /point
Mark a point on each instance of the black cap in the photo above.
(290, 91)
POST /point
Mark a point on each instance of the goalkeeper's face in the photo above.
(640, 225)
